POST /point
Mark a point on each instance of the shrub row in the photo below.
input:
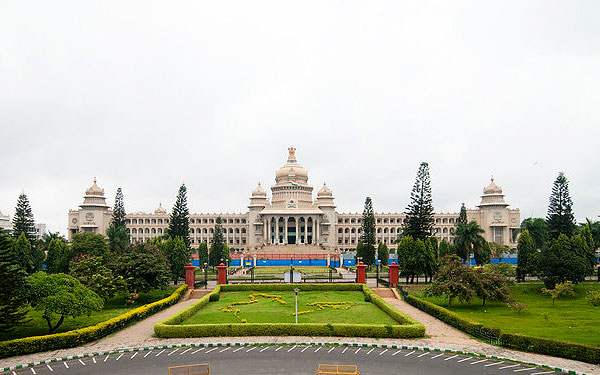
(81, 336)
(407, 327)
(530, 344)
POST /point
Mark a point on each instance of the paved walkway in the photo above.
(439, 335)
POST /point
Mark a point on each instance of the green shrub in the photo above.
(407, 327)
(214, 297)
(81, 336)
(593, 297)
(445, 315)
(551, 347)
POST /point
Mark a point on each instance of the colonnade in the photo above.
(291, 229)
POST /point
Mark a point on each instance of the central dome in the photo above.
(291, 171)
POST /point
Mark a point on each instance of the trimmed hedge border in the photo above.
(524, 343)
(407, 327)
(69, 339)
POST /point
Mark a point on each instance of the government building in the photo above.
(294, 220)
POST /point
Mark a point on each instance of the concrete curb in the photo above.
(425, 349)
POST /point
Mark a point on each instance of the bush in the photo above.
(593, 297)
(214, 297)
(551, 347)
(407, 327)
(81, 336)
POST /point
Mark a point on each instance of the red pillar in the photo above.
(360, 273)
(393, 274)
(189, 275)
(222, 273)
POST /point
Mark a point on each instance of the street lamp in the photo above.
(292, 270)
(296, 290)
(205, 275)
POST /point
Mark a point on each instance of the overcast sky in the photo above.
(146, 95)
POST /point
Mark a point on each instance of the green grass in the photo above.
(269, 311)
(572, 319)
(114, 307)
(281, 270)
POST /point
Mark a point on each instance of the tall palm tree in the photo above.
(468, 239)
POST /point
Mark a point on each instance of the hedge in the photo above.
(407, 327)
(69, 339)
(530, 344)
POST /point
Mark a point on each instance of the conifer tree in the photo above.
(462, 217)
(179, 224)
(419, 216)
(560, 216)
(118, 238)
(13, 287)
(23, 220)
(526, 253)
(24, 252)
(203, 253)
(367, 249)
(118, 217)
(217, 246)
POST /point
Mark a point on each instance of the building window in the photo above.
(499, 235)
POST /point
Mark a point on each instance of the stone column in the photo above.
(316, 231)
(297, 231)
(264, 229)
(285, 230)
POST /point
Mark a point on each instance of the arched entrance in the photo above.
(291, 231)
(302, 230)
(281, 230)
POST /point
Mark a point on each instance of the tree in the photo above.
(468, 240)
(560, 216)
(203, 253)
(462, 217)
(13, 287)
(587, 249)
(383, 254)
(594, 227)
(118, 238)
(59, 296)
(179, 224)
(492, 286)
(89, 244)
(453, 280)
(118, 214)
(527, 256)
(144, 267)
(431, 261)
(561, 289)
(23, 219)
(217, 246)
(419, 213)
(178, 255)
(557, 263)
(91, 272)
(538, 229)
(446, 248)
(25, 254)
(366, 250)
(58, 256)
(484, 255)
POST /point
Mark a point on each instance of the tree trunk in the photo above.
(52, 329)
(483, 300)
(450, 301)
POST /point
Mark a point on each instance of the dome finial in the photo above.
(94, 179)
(492, 178)
(292, 155)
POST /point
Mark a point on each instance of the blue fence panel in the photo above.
(236, 262)
(195, 263)
(348, 262)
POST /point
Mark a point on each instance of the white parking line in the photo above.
(396, 353)
(196, 351)
(302, 351)
(120, 356)
(409, 353)
(501, 368)
(14, 373)
(476, 362)
(134, 354)
(161, 352)
(344, 351)
(330, 350)
(147, 354)
(542, 373)
(383, 352)
(220, 351)
(526, 369)
(449, 358)
(33, 371)
(65, 363)
(420, 355)
(292, 348)
(493, 364)
(50, 368)
(240, 348)
(369, 352)
(94, 359)
(210, 350)
(187, 350)
(357, 350)
(105, 358)
(80, 361)
(319, 348)
(278, 348)
(172, 352)
(435, 356)
(251, 349)
(464, 359)
(265, 348)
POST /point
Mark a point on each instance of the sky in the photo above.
(147, 95)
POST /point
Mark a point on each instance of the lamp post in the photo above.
(377, 271)
(205, 275)
(292, 270)
(296, 290)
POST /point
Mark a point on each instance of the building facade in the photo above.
(292, 217)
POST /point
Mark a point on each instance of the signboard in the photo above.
(296, 277)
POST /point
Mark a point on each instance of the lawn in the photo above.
(281, 270)
(266, 310)
(114, 307)
(571, 319)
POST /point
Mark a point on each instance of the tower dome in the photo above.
(324, 191)
(94, 190)
(492, 196)
(94, 197)
(259, 191)
(492, 188)
(291, 170)
(160, 210)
